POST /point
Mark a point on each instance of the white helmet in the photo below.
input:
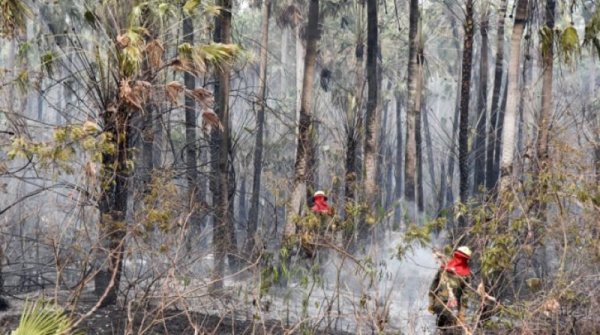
(319, 193)
(465, 251)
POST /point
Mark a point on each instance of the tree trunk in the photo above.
(429, 148)
(508, 131)
(191, 171)
(541, 163)
(260, 123)
(299, 71)
(465, 97)
(480, 136)
(418, 132)
(284, 62)
(398, 166)
(371, 117)
(305, 124)
(113, 206)
(491, 166)
(354, 123)
(220, 154)
(410, 161)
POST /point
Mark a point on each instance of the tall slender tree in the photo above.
(508, 131)
(410, 161)
(305, 124)
(491, 167)
(260, 125)
(371, 117)
(223, 221)
(465, 97)
(191, 169)
(541, 162)
(480, 135)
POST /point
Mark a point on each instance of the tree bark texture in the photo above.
(491, 167)
(480, 135)
(113, 206)
(547, 81)
(260, 124)
(429, 148)
(305, 124)
(418, 129)
(398, 166)
(465, 97)
(410, 160)
(220, 154)
(508, 131)
(191, 154)
(371, 117)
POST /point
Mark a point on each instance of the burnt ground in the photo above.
(113, 321)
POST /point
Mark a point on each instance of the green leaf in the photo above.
(190, 5)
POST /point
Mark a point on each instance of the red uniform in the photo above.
(320, 204)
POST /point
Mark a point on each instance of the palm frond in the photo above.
(13, 15)
(42, 318)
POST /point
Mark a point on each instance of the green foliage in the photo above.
(13, 15)
(592, 32)
(42, 318)
(190, 6)
(59, 152)
(569, 44)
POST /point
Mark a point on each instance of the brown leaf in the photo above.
(131, 96)
(183, 65)
(204, 97)
(173, 89)
(90, 170)
(123, 41)
(155, 51)
(210, 119)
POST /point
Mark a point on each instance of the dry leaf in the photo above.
(132, 97)
(90, 170)
(155, 51)
(204, 97)
(550, 306)
(174, 88)
(210, 119)
(123, 41)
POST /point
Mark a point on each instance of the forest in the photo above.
(298, 166)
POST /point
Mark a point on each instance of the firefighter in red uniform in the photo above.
(447, 292)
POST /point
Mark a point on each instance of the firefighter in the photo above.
(448, 290)
(320, 204)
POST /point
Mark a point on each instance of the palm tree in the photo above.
(260, 123)
(410, 161)
(223, 244)
(371, 127)
(508, 130)
(491, 166)
(465, 96)
(480, 136)
(305, 123)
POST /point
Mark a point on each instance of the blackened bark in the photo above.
(480, 137)
(491, 166)
(223, 222)
(260, 123)
(465, 94)
(113, 205)
(191, 154)
(410, 161)
(371, 117)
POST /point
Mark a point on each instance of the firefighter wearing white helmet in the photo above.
(446, 294)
